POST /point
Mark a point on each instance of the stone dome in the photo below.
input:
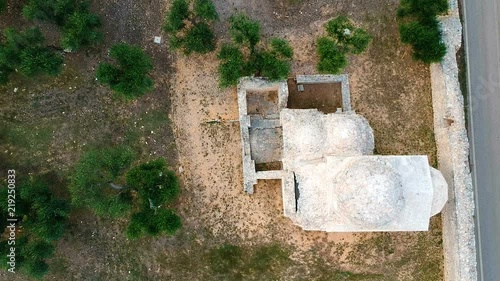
(348, 134)
(440, 191)
(368, 192)
(306, 133)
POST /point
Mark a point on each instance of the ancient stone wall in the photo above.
(453, 151)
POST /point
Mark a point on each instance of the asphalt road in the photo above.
(482, 45)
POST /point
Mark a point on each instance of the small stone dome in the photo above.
(308, 134)
(440, 191)
(348, 134)
(369, 192)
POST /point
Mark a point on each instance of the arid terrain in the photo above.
(191, 122)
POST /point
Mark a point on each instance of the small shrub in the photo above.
(422, 9)
(129, 77)
(197, 36)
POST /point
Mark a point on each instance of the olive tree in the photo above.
(419, 27)
(98, 181)
(129, 76)
(342, 39)
(190, 26)
(25, 51)
(43, 220)
(246, 55)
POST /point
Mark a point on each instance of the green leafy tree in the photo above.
(153, 222)
(81, 30)
(129, 77)
(156, 187)
(191, 29)
(232, 65)
(342, 38)
(246, 55)
(154, 183)
(25, 51)
(422, 9)
(425, 39)
(243, 30)
(42, 218)
(419, 27)
(98, 181)
(55, 11)
(331, 58)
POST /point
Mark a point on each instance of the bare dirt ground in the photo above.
(387, 87)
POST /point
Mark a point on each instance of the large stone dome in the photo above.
(348, 134)
(368, 192)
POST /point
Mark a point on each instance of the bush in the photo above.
(343, 38)
(25, 52)
(154, 183)
(271, 60)
(420, 28)
(96, 182)
(331, 58)
(80, 30)
(129, 78)
(196, 37)
(425, 39)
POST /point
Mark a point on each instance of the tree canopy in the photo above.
(25, 51)
(80, 27)
(43, 218)
(190, 29)
(81, 30)
(128, 77)
(246, 55)
(342, 38)
(419, 27)
(99, 178)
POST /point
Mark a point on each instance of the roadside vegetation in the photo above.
(247, 55)
(342, 38)
(419, 27)
(189, 26)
